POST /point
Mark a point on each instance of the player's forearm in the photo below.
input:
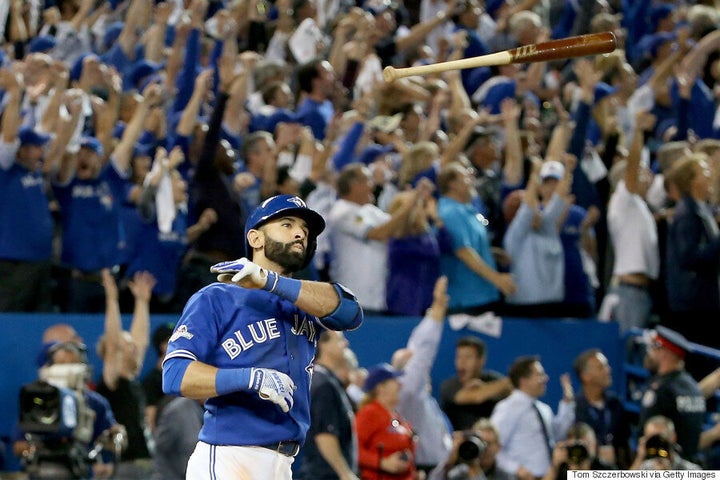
(317, 298)
(199, 381)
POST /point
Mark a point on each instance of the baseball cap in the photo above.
(77, 67)
(378, 374)
(372, 152)
(602, 90)
(286, 205)
(663, 337)
(93, 144)
(492, 6)
(650, 44)
(140, 72)
(658, 13)
(386, 123)
(29, 136)
(552, 169)
(42, 43)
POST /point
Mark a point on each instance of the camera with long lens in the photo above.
(657, 446)
(471, 447)
(57, 422)
(577, 452)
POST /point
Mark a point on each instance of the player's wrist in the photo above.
(285, 287)
(229, 380)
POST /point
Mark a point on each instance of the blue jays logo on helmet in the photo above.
(286, 205)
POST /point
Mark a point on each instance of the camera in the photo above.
(657, 446)
(56, 420)
(577, 452)
(471, 447)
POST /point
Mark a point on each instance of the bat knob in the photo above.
(389, 74)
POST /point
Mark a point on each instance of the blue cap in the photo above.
(139, 72)
(492, 6)
(77, 67)
(93, 144)
(658, 13)
(286, 205)
(602, 90)
(28, 136)
(497, 93)
(42, 43)
(372, 152)
(143, 150)
(281, 115)
(43, 356)
(379, 374)
(650, 44)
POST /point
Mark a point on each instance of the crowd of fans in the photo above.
(136, 137)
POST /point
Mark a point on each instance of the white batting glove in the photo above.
(237, 270)
(274, 386)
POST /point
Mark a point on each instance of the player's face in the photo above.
(286, 242)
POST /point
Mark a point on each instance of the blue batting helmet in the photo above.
(286, 205)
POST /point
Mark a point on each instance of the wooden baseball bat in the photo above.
(581, 45)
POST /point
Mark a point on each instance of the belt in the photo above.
(634, 285)
(289, 449)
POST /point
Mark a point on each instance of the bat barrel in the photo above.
(580, 46)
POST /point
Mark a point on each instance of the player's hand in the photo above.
(241, 271)
(274, 386)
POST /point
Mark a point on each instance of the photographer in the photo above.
(73, 451)
(577, 452)
(658, 448)
(473, 456)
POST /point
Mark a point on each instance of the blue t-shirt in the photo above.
(90, 213)
(466, 227)
(26, 226)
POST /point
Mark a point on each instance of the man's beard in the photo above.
(284, 255)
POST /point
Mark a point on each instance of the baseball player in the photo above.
(247, 344)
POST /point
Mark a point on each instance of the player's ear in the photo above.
(255, 238)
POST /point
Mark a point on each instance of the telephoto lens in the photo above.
(577, 453)
(471, 447)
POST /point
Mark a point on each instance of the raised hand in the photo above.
(273, 386)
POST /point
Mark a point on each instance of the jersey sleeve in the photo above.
(196, 333)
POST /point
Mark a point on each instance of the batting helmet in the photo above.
(286, 205)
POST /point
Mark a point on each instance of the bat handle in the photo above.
(389, 74)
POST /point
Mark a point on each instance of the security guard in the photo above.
(672, 391)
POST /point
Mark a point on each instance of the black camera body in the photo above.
(577, 452)
(56, 421)
(471, 447)
(658, 446)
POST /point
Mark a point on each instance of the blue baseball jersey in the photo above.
(26, 226)
(227, 326)
(91, 224)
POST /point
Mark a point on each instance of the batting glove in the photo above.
(274, 386)
(236, 270)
